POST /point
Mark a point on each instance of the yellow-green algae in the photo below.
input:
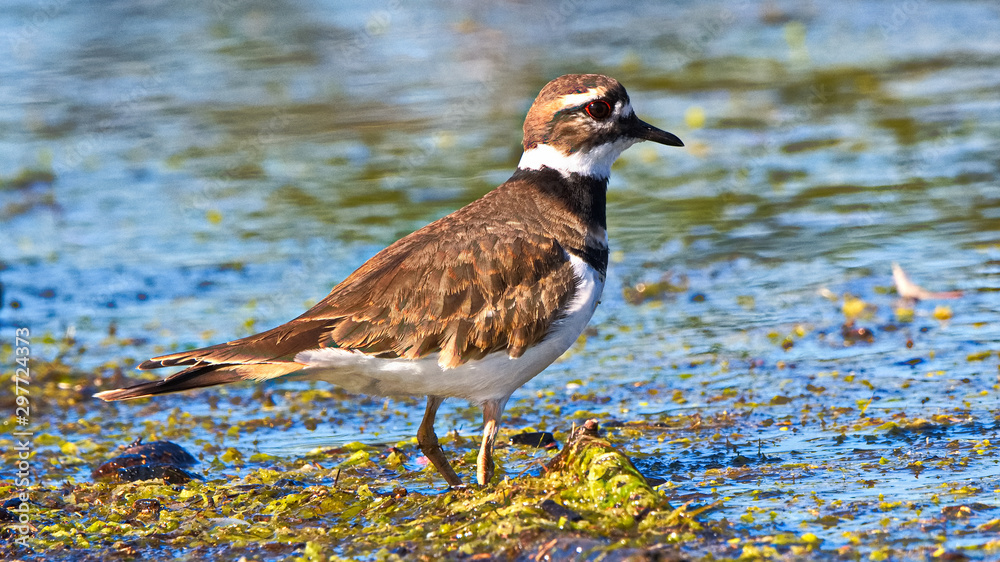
(361, 501)
(338, 512)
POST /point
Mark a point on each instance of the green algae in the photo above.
(28, 177)
(311, 507)
(324, 507)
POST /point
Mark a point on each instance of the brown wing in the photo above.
(463, 292)
(466, 285)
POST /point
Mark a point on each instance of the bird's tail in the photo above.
(260, 357)
(200, 376)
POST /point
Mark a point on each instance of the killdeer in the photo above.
(472, 305)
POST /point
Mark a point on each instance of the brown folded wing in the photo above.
(465, 288)
(465, 294)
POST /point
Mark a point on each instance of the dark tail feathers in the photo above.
(200, 376)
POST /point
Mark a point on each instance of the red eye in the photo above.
(599, 110)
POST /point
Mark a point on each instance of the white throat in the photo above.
(595, 162)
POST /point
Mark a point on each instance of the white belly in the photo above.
(494, 377)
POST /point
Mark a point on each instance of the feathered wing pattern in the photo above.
(467, 285)
(466, 295)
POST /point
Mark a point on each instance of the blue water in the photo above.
(219, 166)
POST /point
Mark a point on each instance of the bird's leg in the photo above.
(428, 442)
(492, 411)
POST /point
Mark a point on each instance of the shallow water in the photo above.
(218, 167)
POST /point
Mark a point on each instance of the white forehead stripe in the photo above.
(573, 100)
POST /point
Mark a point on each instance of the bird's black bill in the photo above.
(642, 130)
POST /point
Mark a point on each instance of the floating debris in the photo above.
(853, 308)
(7, 516)
(911, 293)
(856, 334)
(642, 292)
(148, 461)
(27, 178)
(942, 312)
(560, 511)
(539, 439)
(114, 472)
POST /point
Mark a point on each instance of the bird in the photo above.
(472, 305)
